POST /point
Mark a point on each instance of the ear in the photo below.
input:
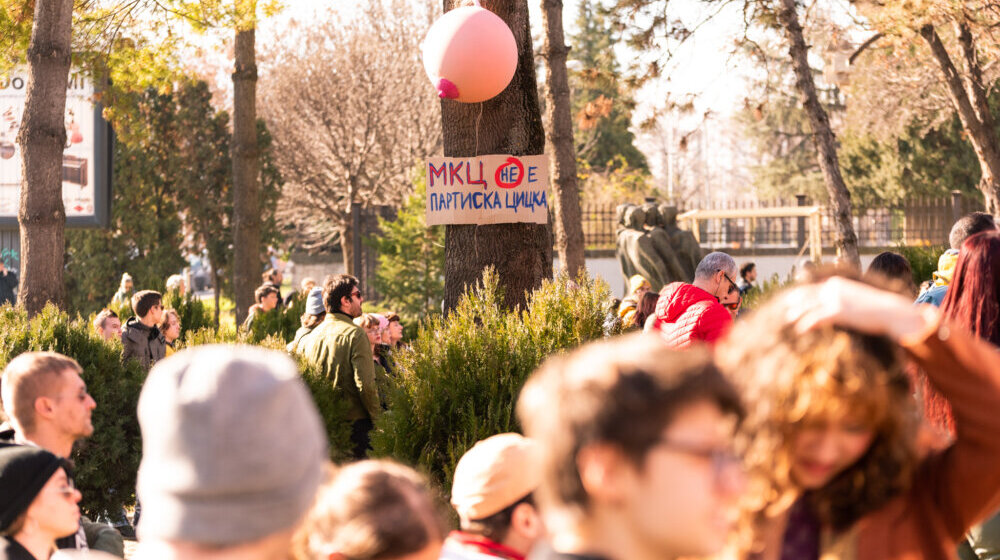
(604, 472)
(44, 407)
(526, 520)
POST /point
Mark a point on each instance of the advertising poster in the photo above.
(86, 162)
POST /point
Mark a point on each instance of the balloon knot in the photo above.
(446, 89)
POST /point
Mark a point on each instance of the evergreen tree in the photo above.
(171, 193)
(410, 272)
(602, 101)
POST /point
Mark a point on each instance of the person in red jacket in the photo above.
(690, 313)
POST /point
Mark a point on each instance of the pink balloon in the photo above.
(470, 55)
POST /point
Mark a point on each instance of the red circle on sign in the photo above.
(509, 184)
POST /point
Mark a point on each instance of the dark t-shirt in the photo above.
(12, 550)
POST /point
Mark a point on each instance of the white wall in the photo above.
(610, 271)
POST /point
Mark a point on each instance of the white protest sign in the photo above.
(493, 189)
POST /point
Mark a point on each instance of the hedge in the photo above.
(332, 408)
(461, 375)
(193, 312)
(109, 459)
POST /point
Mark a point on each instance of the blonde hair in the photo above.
(366, 321)
(27, 378)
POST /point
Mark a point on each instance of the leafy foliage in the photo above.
(410, 271)
(602, 102)
(461, 375)
(171, 160)
(923, 260)
(332, 408)
(106, 462)
(280, 323)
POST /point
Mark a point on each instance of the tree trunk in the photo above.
(347, 248)
(568, 223)
(218, 296)
(510, 123)
(246, 181)
(826, 143)
(41, 215)
(971, 103)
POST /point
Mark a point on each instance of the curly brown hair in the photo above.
(793, 380)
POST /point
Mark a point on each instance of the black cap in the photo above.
(24, 470)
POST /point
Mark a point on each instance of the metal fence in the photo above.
(917, 221)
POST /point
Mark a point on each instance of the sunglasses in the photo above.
(734, 306)
(732, 285)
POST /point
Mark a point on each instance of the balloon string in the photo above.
(475, 231)
(479, 118)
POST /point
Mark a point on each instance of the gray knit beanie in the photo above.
(233, 447)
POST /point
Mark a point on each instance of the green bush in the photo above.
(107, 462)
(109, 458)
(281, 322)
(923, 260)
(332, 408)
(765, 290)
(410, 272)
(193, 313)
(461, 375)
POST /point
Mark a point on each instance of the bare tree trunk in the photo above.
(41, 215)
(347, 248)
(218, 296)
(826, 143)
(568, 224)
(972, 105)
(510, 123)
(246, 181)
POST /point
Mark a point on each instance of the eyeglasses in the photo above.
(357, 294)
(732, 285)
(721, 459)
(67, 490)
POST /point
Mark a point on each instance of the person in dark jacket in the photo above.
(48, 406)
(8, 283)
(141, 338)
(39, 502)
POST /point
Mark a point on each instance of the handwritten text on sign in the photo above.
(494, 189)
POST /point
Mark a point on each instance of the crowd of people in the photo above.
(839, 419)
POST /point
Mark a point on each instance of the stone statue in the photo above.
(638, 253)
(685, 245)
(621, 212)
(663, 243)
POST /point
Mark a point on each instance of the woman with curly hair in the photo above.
(830, 436)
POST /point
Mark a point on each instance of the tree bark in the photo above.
(41, 215)
(969, 99)
(568, 224)
(347, 247)
(246, 177)
(510, 123)
(217, 289)
(826, 143)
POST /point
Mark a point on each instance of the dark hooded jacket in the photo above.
(143, 343)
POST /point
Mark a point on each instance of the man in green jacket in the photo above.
(342, 349)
